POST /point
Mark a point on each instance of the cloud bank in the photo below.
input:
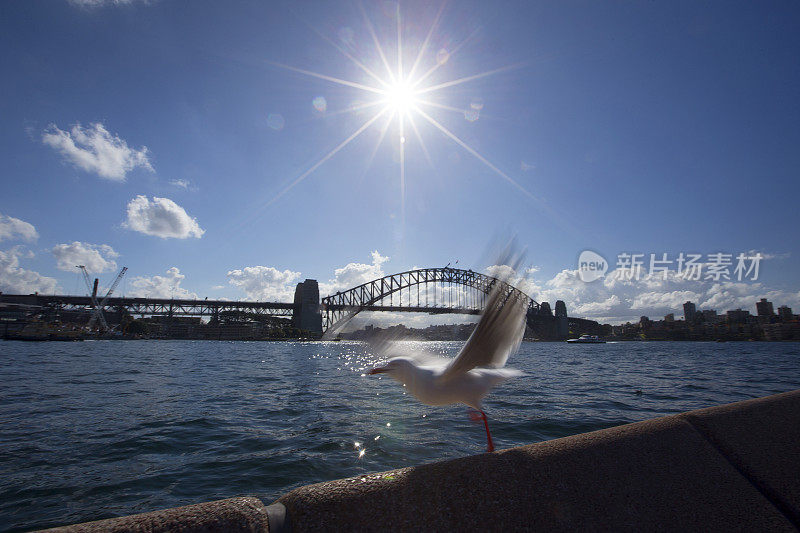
(95, 150)
(96, 258)
(265, 283)
(354, 274)
(167, 286)
(17, 280)
(15, 229)
(617, 300)
(161, 217)
(270, 284)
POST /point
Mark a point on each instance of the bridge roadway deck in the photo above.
(155, 306)
(186, 307)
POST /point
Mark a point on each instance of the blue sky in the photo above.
(166, 136)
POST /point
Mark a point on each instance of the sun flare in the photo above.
(401, 97)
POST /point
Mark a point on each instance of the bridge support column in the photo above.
(307, 315)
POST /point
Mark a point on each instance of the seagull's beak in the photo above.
(378, 370)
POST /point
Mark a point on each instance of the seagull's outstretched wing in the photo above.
(497, 335)
(387, 348)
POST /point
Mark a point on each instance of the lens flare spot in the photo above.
(476, 104)
(472, 114)
(320, 104)
(442, 56)
(276, 121)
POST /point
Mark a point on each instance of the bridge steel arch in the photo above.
(341, 307)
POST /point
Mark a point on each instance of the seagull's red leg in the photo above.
(475, 416)
(488, 435)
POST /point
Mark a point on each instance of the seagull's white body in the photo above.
(476, 369)
(428, 382)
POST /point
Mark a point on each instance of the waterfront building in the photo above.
(785, 313)
(764, 308)
(738, 316)
(670, 317)
(689, 311)
(710, 315)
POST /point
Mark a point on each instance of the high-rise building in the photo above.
(764, 308)
(738, 316)
(689, 311)
(785, 312)
(669, 318)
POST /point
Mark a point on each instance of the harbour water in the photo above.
(106, 428)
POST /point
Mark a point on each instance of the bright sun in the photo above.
(401, 97)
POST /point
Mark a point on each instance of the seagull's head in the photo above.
(394, 367)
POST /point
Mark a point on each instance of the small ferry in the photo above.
(587, 339)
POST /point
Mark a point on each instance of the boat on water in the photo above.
(587, 339)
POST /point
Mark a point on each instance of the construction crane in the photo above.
(97, 314)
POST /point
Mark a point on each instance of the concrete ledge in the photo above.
(761, 439)
(728, 468)
(654, 475)
(235, 514)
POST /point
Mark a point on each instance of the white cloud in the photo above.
(768, 255)
(14, 279)
(265, 283)
(96, 258)
(94, 149)
(14, 228)
(161, 217)
(168, 286)
(99, 3)
(354, 274)
(661, 300)
(183, 184)
(270, 284)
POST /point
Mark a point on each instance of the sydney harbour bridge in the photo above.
(427, 290)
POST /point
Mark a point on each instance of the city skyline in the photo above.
(232, 151)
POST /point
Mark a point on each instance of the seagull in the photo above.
(477, 368)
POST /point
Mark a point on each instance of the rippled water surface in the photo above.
(97, 429)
